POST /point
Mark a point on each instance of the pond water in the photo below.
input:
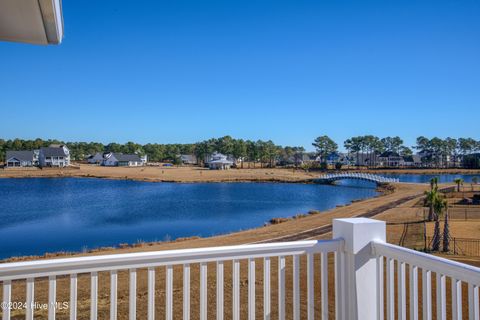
(47, 215)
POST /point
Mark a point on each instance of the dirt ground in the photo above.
(197, 174)
(166, 174)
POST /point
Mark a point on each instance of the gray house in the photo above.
(188, 159)
(24, 158)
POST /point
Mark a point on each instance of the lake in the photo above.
(425, 178)
(70, 214)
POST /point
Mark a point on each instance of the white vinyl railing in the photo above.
(363, 280)
(457, 273)
(74, 267)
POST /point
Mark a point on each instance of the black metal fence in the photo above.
(461, 246)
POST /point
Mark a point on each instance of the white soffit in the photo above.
(31, 21)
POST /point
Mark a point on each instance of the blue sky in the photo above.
(184, 71)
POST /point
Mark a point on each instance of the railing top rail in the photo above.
(64, 266)
(450, 268)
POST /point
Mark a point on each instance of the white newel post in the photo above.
(360, 268)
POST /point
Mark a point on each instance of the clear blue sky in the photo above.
(184, 71)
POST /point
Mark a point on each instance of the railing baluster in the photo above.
(441, 298)
(296, 287)
(52, 293)
(7, 298)
(427, 294)
(73, 296)
(151, 293)
(132, 298)
(402, 304)
(310, 287)
(236, 290)
(93, 295)
(390, 290)
(456, 299)
(113, 294)
(203, 291)
(324, 281)
(339, 288)
(30, 298)
(251, 289)
(186, 291)
(380, 293)
(413, 292)
(220, 299)
(266, 289)
(168, 292)
(473, 303)
(281, 288)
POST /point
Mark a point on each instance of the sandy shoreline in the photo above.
(197, 174)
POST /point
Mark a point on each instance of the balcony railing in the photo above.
(349, 277)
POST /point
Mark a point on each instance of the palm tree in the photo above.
(439, 206)
(446, 230)
(429, 201)
(433, 183)
(458, 181)
(431, 198)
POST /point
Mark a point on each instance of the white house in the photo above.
(219, 161)
(24, 158)
(112, 159)
(54, 156)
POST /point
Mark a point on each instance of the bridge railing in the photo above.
(359, 176)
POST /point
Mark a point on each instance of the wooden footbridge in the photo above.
(331, 178)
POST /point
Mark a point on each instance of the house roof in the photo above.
(53, 152)
(188, 157)
(38, 22)
(222, 161)
(127, 157)
(23, 155)
(387, 154)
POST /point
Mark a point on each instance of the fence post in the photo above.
(360, 267)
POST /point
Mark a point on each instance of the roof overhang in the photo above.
(31, 21)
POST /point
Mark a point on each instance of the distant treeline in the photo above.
(435, 151)
(256, 151)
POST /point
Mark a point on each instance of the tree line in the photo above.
(263, 152)
(436, 151)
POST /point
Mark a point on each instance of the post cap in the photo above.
(358, 232)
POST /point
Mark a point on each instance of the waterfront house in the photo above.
(219, 161)
(337, 157)
(54, 156)
(364, 159)
(412, 161)
(112, 159)
(23, 158)
(189, 159)
(97, 158)
(391, 159)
